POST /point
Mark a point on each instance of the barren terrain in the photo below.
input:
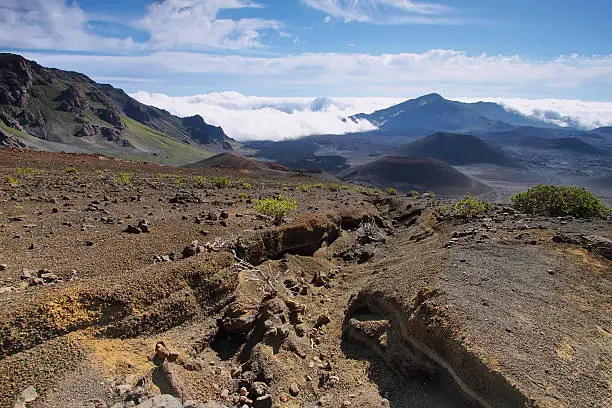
(359, 299)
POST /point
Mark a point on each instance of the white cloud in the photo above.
(562, 112)
(383, 11)
(171, 24)
(267, 118)
(263, 118)
(194, 24)
(51, 24)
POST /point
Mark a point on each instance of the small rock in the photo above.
(263, 402)
(294, 389)
(322, 320)
(89, 243)
(27, 395)
(161, 401)
(3, 267)
(194, 364)
(192, 249)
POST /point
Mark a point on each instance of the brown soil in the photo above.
(360, 299)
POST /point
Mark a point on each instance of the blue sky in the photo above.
(475, 48)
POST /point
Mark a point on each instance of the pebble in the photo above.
(3, 267)
(294, 389)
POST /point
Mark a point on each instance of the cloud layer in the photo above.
(260, 118)
(265, 118)
(451, 72)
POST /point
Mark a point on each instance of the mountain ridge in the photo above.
(70, 108)
(433, 113)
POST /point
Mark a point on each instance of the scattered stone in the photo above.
(294, 390)
(27, 395)
(322, 320)
(89, 243)
(194, 364)
(191, 250)
(3, 267)
(224, 215)
(263, 402)
(161, 401)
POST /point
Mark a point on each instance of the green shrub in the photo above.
(199, 181)
(179, 182)
(221, 182)
(14, 182)
(558, 201)
(71, 170)
(414, 194)
(123, 178)
(248, 186)
(467, 207)
(337, 187)
(276, 208)
(391, 191)
(303, 187)
(319, 185)
(242, 195)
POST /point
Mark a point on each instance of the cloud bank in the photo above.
(450, 72)
(268, 118)
(261, 118)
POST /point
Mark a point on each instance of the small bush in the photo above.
(467, 207)
(276, 208)
(123, 178)
(303, 187)
(248, 186)
(337, 187)
(179, 182)
(14, 182)
(221, 182)
(558, 201)
(391, 191)
(414, 194)
(319, 185)
(244, 196)
(199, 181)
(71, 170)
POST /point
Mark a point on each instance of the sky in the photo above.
(289, 68)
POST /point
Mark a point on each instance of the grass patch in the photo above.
(468, 207)
(391, 191)
(221, 182)
(123, 178)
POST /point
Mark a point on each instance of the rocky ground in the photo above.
(126, 284)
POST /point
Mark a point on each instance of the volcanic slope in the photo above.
(55, 110)
(421, 174)
(456, 149)
(235, 161)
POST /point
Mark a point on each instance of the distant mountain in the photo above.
(568, 140)
(235, 161)
(571, 144)
(51, 109)
(456, 149)
(432, 113)
(422, 174)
